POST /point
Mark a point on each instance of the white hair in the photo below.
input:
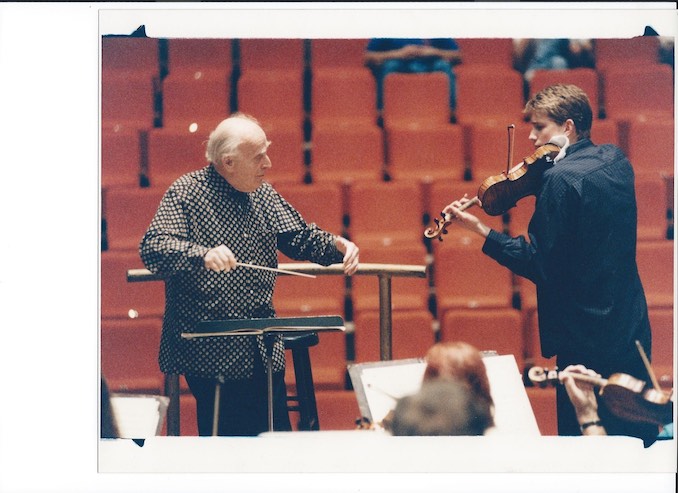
(225, 139)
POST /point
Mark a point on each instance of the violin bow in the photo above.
(646, 362)
(511, 134)
(282, 271)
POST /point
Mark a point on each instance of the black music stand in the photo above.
(267, 327)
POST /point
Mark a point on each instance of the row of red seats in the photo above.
(378, 213)
(342, 111)
(204, 68)
(160, 56)
(480, 311)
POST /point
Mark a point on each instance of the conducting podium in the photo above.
(289, 328)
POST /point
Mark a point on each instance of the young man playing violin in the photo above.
(580, 252)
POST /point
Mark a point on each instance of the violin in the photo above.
(625, 396)
(499, 193)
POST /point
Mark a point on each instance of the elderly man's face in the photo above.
(250, 163)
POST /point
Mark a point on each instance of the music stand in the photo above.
(268, 328)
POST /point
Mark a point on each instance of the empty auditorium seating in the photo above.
(129, 72)
(302, 296)
(661, 322)
(638, 92)
(444, 192)
(487, 330)
(343, 98)
(485, 53)
(319, 203)
(195, 100)
(272, 96)
(343, 154)
(655, 266)
(606, 132)
(425, 153)
(416, 99)
(464, 277)
(129, 355)
(124, 54)
(387, 213)
(337, 409)
(346, 54)
(127, 101)
(120, 158)
(271, 54)
(192, 55)
(487, 144)
(411, 336)
(585, 78)
(543, 402)
(650, 145)
(121, 299)
(173, 152)
(286, 152)
(407, 293)
(129, 212)
(520, 215)
(651, 201)
(492, 95)
(640, 50)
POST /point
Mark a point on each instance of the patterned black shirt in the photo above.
(581, 255)
(199, 211)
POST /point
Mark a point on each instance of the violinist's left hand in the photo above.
(350, 251)
(466, 219)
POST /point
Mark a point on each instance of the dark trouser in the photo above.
(243, 406)
(567, 419)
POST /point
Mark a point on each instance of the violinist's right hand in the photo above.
(220, 259)
(466, 219)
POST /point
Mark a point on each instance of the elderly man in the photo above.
(208, 222)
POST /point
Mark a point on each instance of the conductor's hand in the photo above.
(350, 251)
(465, 219)
(220, 259)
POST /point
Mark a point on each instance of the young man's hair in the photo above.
(561, 102)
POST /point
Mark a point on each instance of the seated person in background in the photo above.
(442, 407)
(531, 55)
(387, 55)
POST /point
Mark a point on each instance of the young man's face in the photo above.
(543, 129)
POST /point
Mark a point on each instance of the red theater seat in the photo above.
(543, 403)
(343, 98)
(122, 299)
(173, 152)
(492, 95)
(386, 213)
(663, 344)
(345, 54)
(195, 101)
(584, 78)
(487, 330)
(412, 334)
(271, 54)
(129, 212)
(638, 92)
(458, 260)
(655, 266)
(120, 157)
(483, 52)
(337, 409)
(640, 50)
(650, 145)
(129, 355)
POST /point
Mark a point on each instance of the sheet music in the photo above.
(385, 385)
(138, 416)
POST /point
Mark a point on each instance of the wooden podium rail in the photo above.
(383, 271)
